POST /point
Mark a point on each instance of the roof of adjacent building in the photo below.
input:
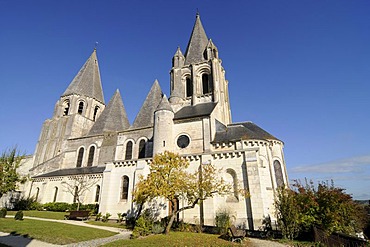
(87, 81)
(240, 131)
(197, 43)
(164, 104)
(113, 118)
(200, 110)
(145, 117)
(73, 171)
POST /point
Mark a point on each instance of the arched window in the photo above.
(55, 194)
(90, 160)
(189, 87)
(142, 145)
(278, 174)
(207, 84)
(75, 197)
(232, 179)
(95, 112)
(125, 183)
(80, 107)
(37, 193)
(128, 155)
(80, 157)
(66, 108)
(97, 193)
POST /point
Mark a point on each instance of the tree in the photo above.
(169, 179)
(77, 186)
(9, 178)
(325, 206)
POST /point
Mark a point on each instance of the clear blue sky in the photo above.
(298, 69)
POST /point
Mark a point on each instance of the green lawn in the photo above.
(42, 214)
(111, 224)
(177, 239)
(52, 232)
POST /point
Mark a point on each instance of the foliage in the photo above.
(3, 212)
(78, 186)
(57, 206)
(19, 215)
(223, 220)
(105, 217)
(98, 216)
(120, 217)
(143, 227)
(169, 179)
(52, 232)
(27, 203)
(325, 206)
(9, 178)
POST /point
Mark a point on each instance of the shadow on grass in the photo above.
(14, 238)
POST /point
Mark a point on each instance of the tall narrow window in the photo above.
(80, 107)
(95, 112)
(91, 156)
(75, 197)
(142, 145)
(189, 87)
(278, 174)
(80, 157)
(66, 108)
(55, 194)
(37, 193)
(128, 155)
(97, 193)
(124, 194)
(207, 84)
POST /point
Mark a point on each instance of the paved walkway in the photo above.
(21, 241)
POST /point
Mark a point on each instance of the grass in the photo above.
(177, 239)
(111, 224)
(41, 214)
(52, 232)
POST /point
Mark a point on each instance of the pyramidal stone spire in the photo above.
(87, 81)
(197, 43)
(113, 118)
(146, 114)
(164, 104)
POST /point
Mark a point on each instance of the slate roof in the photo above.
(145, 117)
(164, 104)
(73, 171)
(87, 81)
(113, 118)
(240, 131)
(204, 109)
(197, 43)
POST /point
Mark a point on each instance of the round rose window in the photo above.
(183, 141)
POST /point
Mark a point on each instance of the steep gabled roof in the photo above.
(197, 43)
(113, 118)
(146, 114)
(87, 81)
(241, 131)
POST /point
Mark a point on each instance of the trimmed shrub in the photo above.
(3, 212)
(19, 215)
(57, 206)
(223, 220)
(27, 203)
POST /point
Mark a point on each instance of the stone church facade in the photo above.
(87, 138)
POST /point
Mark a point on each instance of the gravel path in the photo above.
(255, 242)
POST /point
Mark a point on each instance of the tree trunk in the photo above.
(169, 225)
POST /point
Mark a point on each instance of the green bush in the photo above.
(3, 212)
(105, 217)
(143, 227)
(57, 206)
(157, 228)
(19, 215)
(223, 220)
(27, 203)
(98, 217)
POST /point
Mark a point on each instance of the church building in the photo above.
(88, 138)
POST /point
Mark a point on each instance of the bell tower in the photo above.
(75, 112)
(198, 76)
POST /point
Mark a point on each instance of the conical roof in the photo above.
(113, 118)
(146, 114)
(197, 43)
(164, 104)
(87, 81)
